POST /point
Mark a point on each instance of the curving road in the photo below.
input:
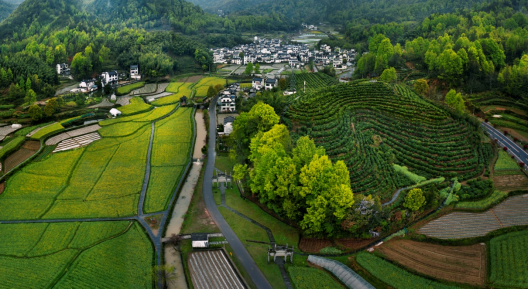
(240, 251)
(513, 147)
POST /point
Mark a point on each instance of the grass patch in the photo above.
(55, 128)
(224, 163)
(483, 204)
(27, 130)
(312, 278)
(405, 171)
(128, 88)
(12, 145)
(505, 162)
(137, 105)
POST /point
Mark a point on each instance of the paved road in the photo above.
(240, 251)
(516, 149)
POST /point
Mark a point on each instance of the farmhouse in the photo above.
(109, 77)
(227, 104)
(200, 240)
(257, 83)
(270, 84)
(63, 69)
(134, 72)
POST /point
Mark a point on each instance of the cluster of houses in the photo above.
(106, 78)
(309, 26)
(271, 51)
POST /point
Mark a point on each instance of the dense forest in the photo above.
(227, 6)
(5, 9)
(476, 50)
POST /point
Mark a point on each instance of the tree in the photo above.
(31, 97)
(389, 75)
(414, 199)
(257, 68)
(421, 87)
(81, 66)
(107, 89)
(28, 84)
(3, 78)
(35, 112)
(211, 92)
(283, 84)
(455, 101)
(249, 69)
(51, 107)
(218, 88)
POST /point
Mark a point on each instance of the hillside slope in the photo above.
(372, 126)
(5, 9)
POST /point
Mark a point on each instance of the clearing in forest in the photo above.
(462, 264)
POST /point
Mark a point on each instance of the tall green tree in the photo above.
(249, 69)
(414, 199)
(455, 101)
(35, 112)
(389, 75)
(257, 68)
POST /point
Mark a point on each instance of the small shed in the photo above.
(200, 240)
(115, 112)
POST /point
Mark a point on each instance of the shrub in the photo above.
(330, 251)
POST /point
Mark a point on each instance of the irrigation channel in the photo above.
(156, 238)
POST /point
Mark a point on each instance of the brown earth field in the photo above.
(461, 264)
(510, 182)
(28, 149)
(313, 245)
(193, 79)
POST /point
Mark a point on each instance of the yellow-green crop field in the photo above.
(75, 255)
(179, 90)
(128, 88)
(57, 127)
(203, 85)
(170, 155)
(101, 180)
(136, 105)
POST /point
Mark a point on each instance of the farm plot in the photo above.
(77, 142)
(212, 270)
(459, 225)
(28, 149)
(128, 88)
(203, 85)
(311, 278)
(6, 130)
(74, 133)
(123, 101)
(143, 117)
(11, 146)
(394, 276)
(137, 105)
(147, 89)
(179, 90)
(170, 154)
(509, 260)
(44, 131)
(505, 165)
(101, 254)
(314, 81)
(349, 120)
(464, 264)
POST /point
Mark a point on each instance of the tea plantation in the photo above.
(374, 125)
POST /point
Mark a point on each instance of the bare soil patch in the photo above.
(18, 157)
(510, 182)
(313, 245)
(461, 264)
(518, 135)
(32, 145)
(353, 243)
(192, 79)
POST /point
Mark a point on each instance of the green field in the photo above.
(170, 156)
(393, 275)
(12, 145)
(143, 117)
(203, 85)
(509, 260)
(55, 128)
(483, 204)
(137, 105)
(128, 88)
(311, 278)
(179, 90)
(75, 255)
(506, 163)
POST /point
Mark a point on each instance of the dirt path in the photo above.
(172, 257)
(200, 134)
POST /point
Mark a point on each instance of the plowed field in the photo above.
(464, 264)
(212, 270)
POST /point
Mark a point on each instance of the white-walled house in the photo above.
(270, 84)
(86, 84)
(110, 77)
(134, 72)
(257, 83)
(63, 69)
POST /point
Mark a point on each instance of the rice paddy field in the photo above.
(128, 88)
(99, 181)
(179, 89)
(136, 105)
(203, 85)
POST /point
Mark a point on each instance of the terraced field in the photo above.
(509, 257)
(464, 264)
(371, 125)
(73, 192)
(459, 225)
(203, 85)
(314, 81)
(179, 90)
(75, 255)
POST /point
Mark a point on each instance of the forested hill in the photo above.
(5, 9)
(358, 11)
(227, 6)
